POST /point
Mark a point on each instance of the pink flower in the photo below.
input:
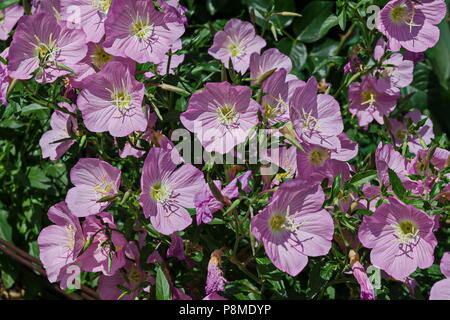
(166, 191)
(106, 251)
(111, 100)
(43, 44)
(371, 99)
(174, 6)
(285, 158)
(92, 16)
(397, 69)
(268, 60)
(4, 78)
(93, 179)
(411, 24)
(64, 126)
(415, 142)
(318, 163)
(401, 238)
(135, 29)
(294, 226)
(8, 19)
(316, 118)
(237, 42)
(441, 289)
(176, 248)
(60, 244)
(221, 115)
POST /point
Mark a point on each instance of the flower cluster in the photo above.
(116, 64)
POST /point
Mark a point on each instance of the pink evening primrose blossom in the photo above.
(294, 226)
(206, 203)
(411, 24)
(268, 60)
(317, 163)
(316, 117)
(221, 115)
(60, 243)
(94, 179)
(237, 42)
(176, 248)
(4, 78)
(43, 44)
(92, 16)
(106, 250)
(285, 158)
(8, 19)
(111, 100)
(371, 99)
(401, 238)
(441, 289)
(166, 191)
(397, 69)
(64, 127)
(424, 135)
(135, 29)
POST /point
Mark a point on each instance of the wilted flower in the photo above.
(236, 42)
(94, 179)
(367, 291)
(401, 238)
(215, 281)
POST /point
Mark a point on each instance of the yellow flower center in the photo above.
(100, 58)
(277, 223)
(235, 49)
(159, 192)
(368, 97)
(406, 231)
(121, 99)
(226, 114)
(142, 29)
(104, 187)
(318, 156)
(102, 5)
(399, 14)
(46, 52)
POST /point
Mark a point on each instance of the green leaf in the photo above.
(5, 228)
(317, 19)
(162, 286)
(7, 3)
(32, 108)
(362, 178)
(38, 179)
(396, 184)
(363, 212)
(439, 55)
